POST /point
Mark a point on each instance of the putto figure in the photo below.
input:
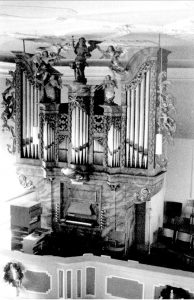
(82, 52)
(113, 53)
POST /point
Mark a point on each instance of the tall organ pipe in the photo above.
(73, 129)
(141, 123)
(28, 118)
(146, 118)
(128, 126)
(136, 140)
(76, 133)
(80, 136)
(84, 136)
(132, 127)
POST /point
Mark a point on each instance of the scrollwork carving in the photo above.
(152, 116)
(63, 122)
(139, 76)
(98, 123)
(51, 119)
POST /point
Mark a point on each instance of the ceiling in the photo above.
(129, 24)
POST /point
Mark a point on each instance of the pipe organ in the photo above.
(106, 143)
(89, 131)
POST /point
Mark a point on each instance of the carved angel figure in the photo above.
(82, 52)
(113, 54)
(109, 85)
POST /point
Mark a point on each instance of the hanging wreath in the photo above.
(13, 274)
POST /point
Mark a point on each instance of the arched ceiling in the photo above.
(131, 24)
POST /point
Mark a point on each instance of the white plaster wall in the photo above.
(179, 181)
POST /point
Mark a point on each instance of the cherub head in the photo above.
(111, 49)
(45, 54)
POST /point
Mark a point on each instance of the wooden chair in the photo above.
(184, 240)
(167, 235)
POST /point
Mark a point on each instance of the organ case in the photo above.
(114, 141)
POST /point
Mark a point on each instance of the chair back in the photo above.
(184, 238)
(167, 232)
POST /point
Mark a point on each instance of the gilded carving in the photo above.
(51, 119)
(139, 76)
(91, 128)
(152, 117)
(8, 114)
(18, 97)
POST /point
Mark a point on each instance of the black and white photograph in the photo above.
(96, 149)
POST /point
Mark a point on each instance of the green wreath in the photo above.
(9, 276)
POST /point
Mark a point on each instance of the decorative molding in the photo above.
(43, 272)
(124, 279)
(152, 117)
(18, 119)
(139, 75)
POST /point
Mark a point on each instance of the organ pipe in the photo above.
(113, 147)
(79, 134)
(141, 120)
(30, 118)
(137, 122)
(132, 127)
(136, 139)
(146, 117)
(127, 129)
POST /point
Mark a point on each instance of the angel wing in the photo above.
(93, 45)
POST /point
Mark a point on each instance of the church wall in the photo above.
(178, 177)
